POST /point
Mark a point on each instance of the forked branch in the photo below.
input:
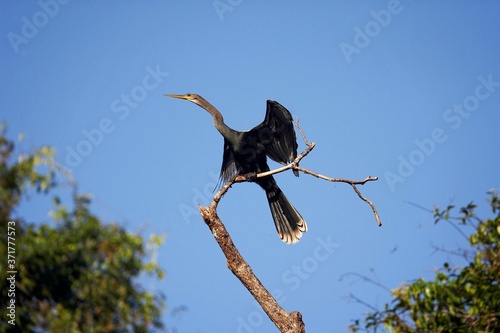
(295, 165)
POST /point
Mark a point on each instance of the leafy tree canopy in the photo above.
(459, 299)
(76, 274)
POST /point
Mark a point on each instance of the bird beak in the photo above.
(176, 96)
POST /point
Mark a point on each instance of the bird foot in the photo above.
(250, 177)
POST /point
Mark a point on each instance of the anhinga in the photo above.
(245, 152)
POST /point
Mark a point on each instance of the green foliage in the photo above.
(16, 177)
(75, 274)
(465, 299)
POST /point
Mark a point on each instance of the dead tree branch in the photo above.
(286, 322)
(353, 183)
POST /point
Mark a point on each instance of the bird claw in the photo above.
(249, 177)
(239, 178)
(252, 176)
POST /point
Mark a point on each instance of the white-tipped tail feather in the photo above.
(288, 221)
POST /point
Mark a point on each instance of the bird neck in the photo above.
(223, 129)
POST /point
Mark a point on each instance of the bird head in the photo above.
(196, 99)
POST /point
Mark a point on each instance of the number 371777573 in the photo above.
(11, 245)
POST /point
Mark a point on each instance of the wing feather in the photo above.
(228, 169)
(277, 134)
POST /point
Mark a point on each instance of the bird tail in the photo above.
(289, 223)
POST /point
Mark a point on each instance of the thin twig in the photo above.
(337, 180)
(360, 301)
(293, 165)
(353, 183)
(301, 133)
(366, 279)
(377, 217)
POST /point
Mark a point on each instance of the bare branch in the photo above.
(377, 217)
(293, 165)
(366, 279)
(353, 183)
(301, 133)
(360, 301)
(286, 322)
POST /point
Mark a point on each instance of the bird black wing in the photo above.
(277, 135)
(228, 169)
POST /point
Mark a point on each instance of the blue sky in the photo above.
(408, 91)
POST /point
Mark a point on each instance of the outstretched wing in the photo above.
(277, 135)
